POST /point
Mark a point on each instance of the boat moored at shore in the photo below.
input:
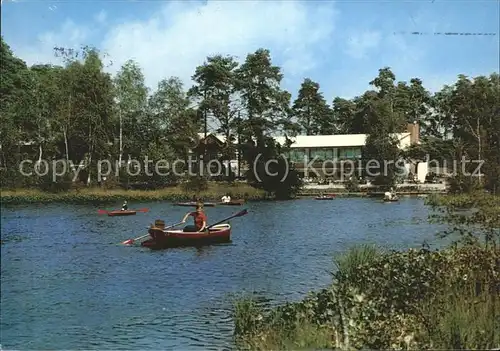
(194, 203)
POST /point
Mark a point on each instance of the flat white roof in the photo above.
(320, 141)
(339, 140)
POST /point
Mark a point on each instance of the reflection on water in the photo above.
(68, 283)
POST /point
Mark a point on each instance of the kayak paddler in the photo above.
(199, 217)
(124, 206)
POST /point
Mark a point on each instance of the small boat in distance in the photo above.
(194, 203)
(164, 239)
(390, 196)
(122, 213)
(116, 213)
(393, 199)
(232, 203)
(325, 197)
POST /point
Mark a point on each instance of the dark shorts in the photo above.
(190, 228)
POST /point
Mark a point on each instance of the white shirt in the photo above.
(226, 199)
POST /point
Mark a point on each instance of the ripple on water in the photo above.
(67, 283)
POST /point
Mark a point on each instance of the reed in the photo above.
(99, 195)
(416, 299)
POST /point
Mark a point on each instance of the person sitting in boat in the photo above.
(226, 199)
(200, 220)
(393, 194)
(390, 195)
(124, 206)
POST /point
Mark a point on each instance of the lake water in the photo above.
(68, 283)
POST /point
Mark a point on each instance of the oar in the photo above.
(139, 210)
(239, 214)
(131, 241)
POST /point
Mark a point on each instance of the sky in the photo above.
(339, 44)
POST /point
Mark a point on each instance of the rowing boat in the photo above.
(193, 204)
(394, 199)
(325, 198)
(232, 203)
(122, 213)
(164, 239)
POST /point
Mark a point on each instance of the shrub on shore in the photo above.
(101, 195)
(416, 299)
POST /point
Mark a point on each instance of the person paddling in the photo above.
(124, 206)
(200, 220)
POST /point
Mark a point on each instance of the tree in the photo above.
(216, 90)
(172, 117)
(311, 110)
(92, 102)
(384, 121)
(267, 110)
(78, 111)
(413, 101)
(132, 101)
(343, 113)
(11, 72)
(439, 121)
(267, 106)
(474, 106)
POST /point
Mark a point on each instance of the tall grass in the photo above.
(362, 254)
(467, 324)
(99, 195)
(418, 299)
(248, 315)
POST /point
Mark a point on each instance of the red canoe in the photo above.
(122, 213)
(193, 204)
(163, 239)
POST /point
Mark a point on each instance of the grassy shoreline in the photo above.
(382, 299)
(416, 299)
(100, 195)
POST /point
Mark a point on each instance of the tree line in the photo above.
(80, 113)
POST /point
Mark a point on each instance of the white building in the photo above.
(333, 154)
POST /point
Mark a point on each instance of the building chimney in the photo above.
(414, 130)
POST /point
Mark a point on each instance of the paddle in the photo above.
(139, 210)
(239, 214)
(131, 241)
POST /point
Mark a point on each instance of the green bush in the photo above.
(416, 299)
(352, 185)
(462, 184)
(195, 184)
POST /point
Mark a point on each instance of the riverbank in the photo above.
(418, 299)
(99, 195)
(372, 190)
(214, 192)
